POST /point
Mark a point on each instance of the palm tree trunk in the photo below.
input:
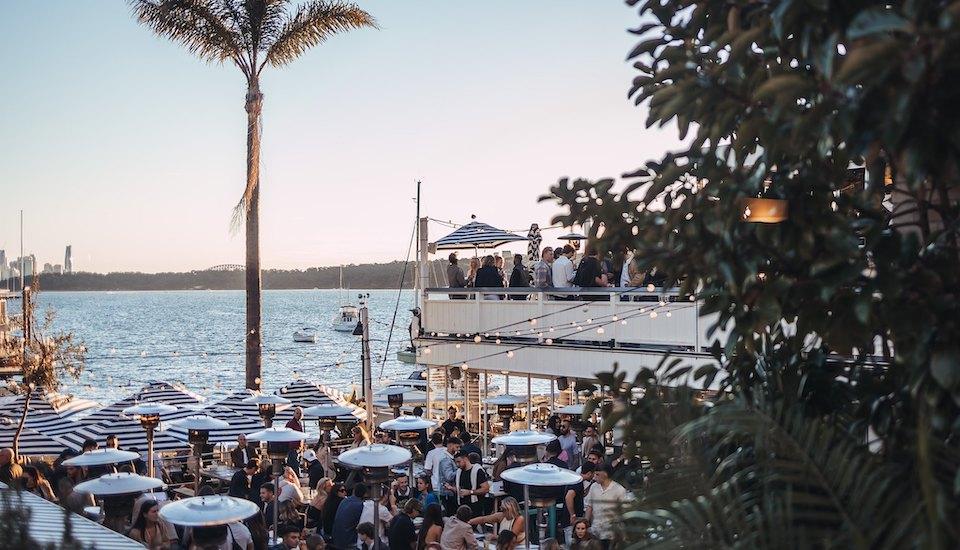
(252, 226)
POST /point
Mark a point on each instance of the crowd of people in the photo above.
(450, 503)
(557, 268)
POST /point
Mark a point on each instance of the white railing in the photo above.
(621, 318)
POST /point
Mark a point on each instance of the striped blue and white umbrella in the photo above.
(153, 392)
(129, 432)
(49, 413)
(477, 235)
(234, 401)
(32, 442)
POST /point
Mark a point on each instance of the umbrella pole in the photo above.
(276, 498)
(526, 516)
(376, 514)
(484, 418)
(529, 405)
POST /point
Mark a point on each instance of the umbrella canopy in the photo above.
(123, 483)
(49, 413)
(306, 394)
(505, 399)
(154, 392)
(236, 424)
(573, 236)
(533, 248)
(344, 413)
(32, 442)
(477, 235)
(208, 511)
(574, 410)
(129, 432)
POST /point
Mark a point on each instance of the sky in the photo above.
(123, 145)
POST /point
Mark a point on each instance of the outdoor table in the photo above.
(219, 472)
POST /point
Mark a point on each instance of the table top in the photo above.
(220, 471)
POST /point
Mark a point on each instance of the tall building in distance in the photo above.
(68, 260)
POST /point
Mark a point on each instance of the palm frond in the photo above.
(313, 23)
(199, 25)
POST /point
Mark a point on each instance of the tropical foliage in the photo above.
(838, 343)
(250, 34)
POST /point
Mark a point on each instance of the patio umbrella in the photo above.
(533, 248)
(130, 433)
(32, 442)
(477, 235)
(306, 394)
(49, 413)
(154, 392)
(235, 401)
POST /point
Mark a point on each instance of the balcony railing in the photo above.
(618, 318)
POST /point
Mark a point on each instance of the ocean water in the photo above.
(196, 338)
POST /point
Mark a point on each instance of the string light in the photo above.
(615, 318)
(498, 341)
(651, 288)
(427, 350)
(510, 354)
(458, 346)
(600, 330)
(549, 341)
(653, 314)
(533, 321)
(476, 339)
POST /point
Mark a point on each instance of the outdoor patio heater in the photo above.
(198, 434)
(524, 443)
(149, 416)
(376, 461)
(394, 396)
(407, 428)
(118, 493)
(506, 408)
(327, 416)
(208, 512)
(267, 406)
(277, 454)
(540, 474)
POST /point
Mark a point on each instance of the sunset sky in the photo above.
(123, 145)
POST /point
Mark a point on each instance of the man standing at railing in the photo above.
(455, 277)
(543, 270)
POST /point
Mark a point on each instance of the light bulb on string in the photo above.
(615, 318)
(498, 341)
(458, 346)
(651, 288)
(551, 329)
(669, 314)
(533, 321)
(510, 354)
(600, 330)
(427, 351)
(549, 341)
(476, 339)
(653, 314)
(623, 322)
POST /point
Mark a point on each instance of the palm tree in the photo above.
(251, 34)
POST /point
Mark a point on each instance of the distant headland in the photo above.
(368, 276)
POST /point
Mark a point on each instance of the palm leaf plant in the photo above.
(250, 34)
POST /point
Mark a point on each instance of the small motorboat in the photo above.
(306, 334)
(346, 319)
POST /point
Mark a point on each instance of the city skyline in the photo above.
(348, 130)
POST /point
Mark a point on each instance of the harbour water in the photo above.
(196, 337)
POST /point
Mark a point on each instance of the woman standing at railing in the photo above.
(489, 277)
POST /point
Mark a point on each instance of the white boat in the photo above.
(346, 319)
(347, 316)
(305, 334)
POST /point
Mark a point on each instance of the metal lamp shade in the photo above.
(407, 423)
(572, 236)
(101, 457)
(541, 474)
(208, 511)
(277, 435)
(199, 426)
(327, 411)
(267, 404)
(506, 405)
(118, 484)
(375, 456)
(572, 410)
(756, 210)
(149, 413)
(522, 438)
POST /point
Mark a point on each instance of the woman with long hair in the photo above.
(315, 508)
(35, 483)
(582, 538)
(427, 495)
(509, 518)
(432, 527)
(336, 496)
(472, 271)
(147, 528)
(506, 540)
(287, 514)
(289, 485)
(258, 531)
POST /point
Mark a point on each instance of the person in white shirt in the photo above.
(625, 269)
(603, 502)
(431, 462)
(366, 516)
(290, 487)
(237, 533)
(563, 270)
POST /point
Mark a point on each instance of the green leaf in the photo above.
(875, 21)
(945, 366)
(780, 85)
(869, 60)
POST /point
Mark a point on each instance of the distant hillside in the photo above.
(371, 276)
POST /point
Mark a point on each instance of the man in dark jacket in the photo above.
(519, 278)
(240, 482)
(243, 452)
(348, 517)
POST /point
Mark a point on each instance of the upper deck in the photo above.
(563, 332)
